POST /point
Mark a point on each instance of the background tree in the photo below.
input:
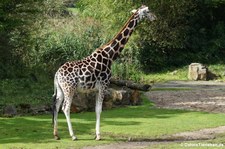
(38, 36)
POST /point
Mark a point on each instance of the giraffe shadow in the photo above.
(23, 130)
(38, 129)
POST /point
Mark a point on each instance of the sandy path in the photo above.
(196, 95)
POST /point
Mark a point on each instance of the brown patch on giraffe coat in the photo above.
(80, 73)
(104, 67)
(119, 37)
(131, 24)
(97, 72)
(93, 78)
(85, 62)
(95, 55)
(92, 64)
(64, 67)
(114, 43)
(116, 47)
(87, 73)
(65, 73)
(123, 41)
(88, 79)
(126, 32)
(111, 52)
(93, 59)
(99, 58)
(99, 66)
(90, 69)
(107, 49)
(70, 69)
(103, 76)
(105, 55)
(105, 61)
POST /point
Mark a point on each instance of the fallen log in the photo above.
(131, 84)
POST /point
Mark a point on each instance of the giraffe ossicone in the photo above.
(93, 72)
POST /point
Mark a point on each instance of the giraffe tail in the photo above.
(54, 100)
(53, 108)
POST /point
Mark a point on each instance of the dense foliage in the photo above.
(187, 31)
(38, 36)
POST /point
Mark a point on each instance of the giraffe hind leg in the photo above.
(66, 109)
(57, 101)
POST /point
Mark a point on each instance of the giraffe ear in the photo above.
(133, 11)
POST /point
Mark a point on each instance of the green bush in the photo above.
(186, 31)
(73, 39)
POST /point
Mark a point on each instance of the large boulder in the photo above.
(197, 71)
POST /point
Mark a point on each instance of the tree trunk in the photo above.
(131, 85)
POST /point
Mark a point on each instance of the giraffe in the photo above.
(92, 72)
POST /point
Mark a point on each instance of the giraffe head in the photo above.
(144, 12)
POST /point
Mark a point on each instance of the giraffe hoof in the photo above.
(56, 137)
(74, 138)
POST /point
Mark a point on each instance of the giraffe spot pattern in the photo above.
(126, 32)
(97, 66)
(131, 24)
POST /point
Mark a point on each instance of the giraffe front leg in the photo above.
(98, 110)
(66, 110)
(98, 114)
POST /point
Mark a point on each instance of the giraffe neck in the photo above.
(116, 45)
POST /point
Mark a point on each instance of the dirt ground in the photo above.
(191, 95)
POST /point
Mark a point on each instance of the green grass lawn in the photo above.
(144, 122)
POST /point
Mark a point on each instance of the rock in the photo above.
(121, 97)
(135, 98)
(85, 100)
(24, 108)
(9, 111)
(197, 71)
(42, 109)
(212, 76)
(107, 105)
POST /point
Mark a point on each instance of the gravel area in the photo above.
(191, 95)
